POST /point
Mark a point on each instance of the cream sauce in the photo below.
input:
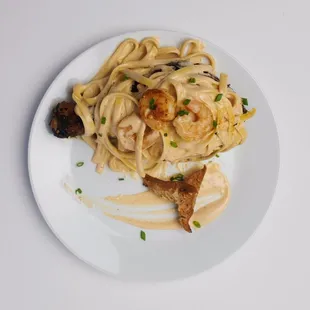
(214, 184)
(144, 198)
(184, 149)
(117, 165)
(157, 225)
(148, 211)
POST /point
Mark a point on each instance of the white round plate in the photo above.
(115, 247)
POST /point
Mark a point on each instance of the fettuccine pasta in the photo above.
(149, 104)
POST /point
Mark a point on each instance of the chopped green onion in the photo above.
(78, 191)
(80, 164)
(152, 104)
(178, 177)
(218, 97)
(183, 112)
(197, 224)
(103, 120)
(186, 101)
(142, 235)
(165, 134)
(245, 101)
(173, 144)
(100, 134)
(121, 179)
(125, 77)
(217, 155)
(214, 124)
(192, 80)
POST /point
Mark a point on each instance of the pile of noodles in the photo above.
(134, 67)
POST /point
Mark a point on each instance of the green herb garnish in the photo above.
(78, 191)
(121, 179)
(217, 155)
(125, 77)
(142, 235)
(152, 104)
(80, 164)
(192, 80)
(214, 124)
(186, 101)
(196, 224)
(165, 134)
(218, 97)
(103, 120)
(183, 112)
(177, 177)
(100, 134)
(245, 101)
(173, 144)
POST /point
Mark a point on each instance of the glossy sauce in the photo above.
(148, 211)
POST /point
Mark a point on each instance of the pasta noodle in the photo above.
(149, 104)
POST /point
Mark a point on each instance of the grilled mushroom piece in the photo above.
(212, 76)
(65, 122)
(176, 65)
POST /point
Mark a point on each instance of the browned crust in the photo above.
(182, 193)
(161, 99)
(195, 179)
(65, 122)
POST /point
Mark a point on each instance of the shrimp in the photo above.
(196, 124)
(157, 108)
(127, 131)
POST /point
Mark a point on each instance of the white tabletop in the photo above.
(270, 38)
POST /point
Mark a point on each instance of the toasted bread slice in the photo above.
(195, 179)
(182, 193)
